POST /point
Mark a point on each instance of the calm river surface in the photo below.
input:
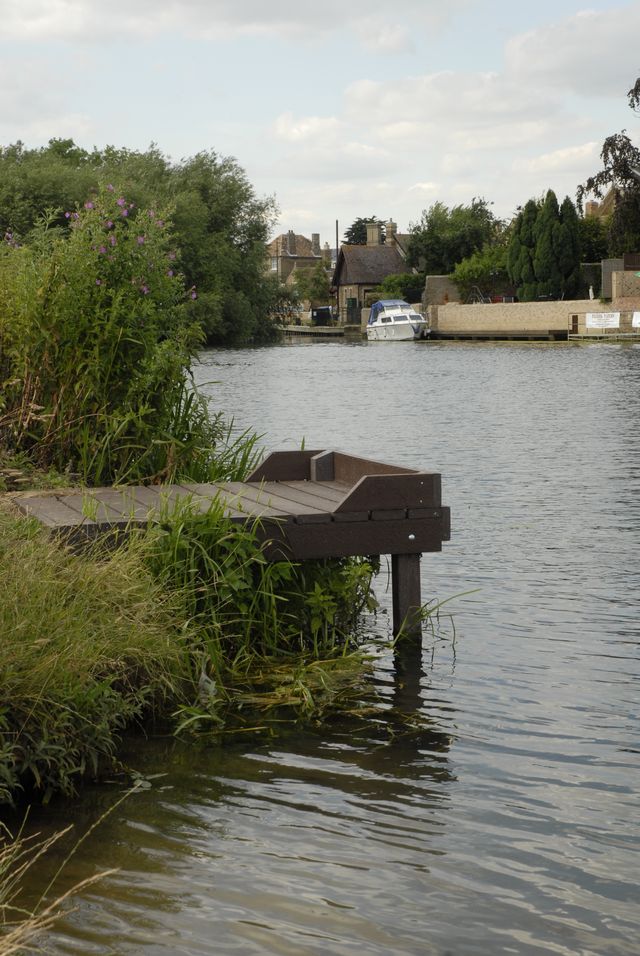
(505, 818)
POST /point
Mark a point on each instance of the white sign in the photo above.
(603, 320)
(635, 321)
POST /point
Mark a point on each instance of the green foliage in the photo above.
(484, 271)
(406, 285)
(543, 255)
(356, 234)
(593, 238)
(313, 284)
(219, 227)
(281, 302)
(95, 345)
(87, 645)
(444, 237)
(246, 606)
(624, 225)
(188, 619)
(620, 172)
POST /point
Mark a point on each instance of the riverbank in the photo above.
(187, 624)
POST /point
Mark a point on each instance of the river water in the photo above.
(502, 816)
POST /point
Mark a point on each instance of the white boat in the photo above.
(393, 320)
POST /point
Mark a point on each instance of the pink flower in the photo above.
(98, 281)
(170, 272)
(121, 201)
(88, 205)
(110, 188)
(140, 240)
(194, 295)
(102, 250)
(125, 212)
(67, 215)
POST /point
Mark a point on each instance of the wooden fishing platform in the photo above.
(303, 505)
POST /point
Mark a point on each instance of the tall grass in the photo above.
(266, 633)
(21, 926)
(95, 348)
(88, 645)
(189, 621)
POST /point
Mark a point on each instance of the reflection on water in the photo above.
(488, 805)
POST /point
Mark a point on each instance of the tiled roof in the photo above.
(280, 246)
(366, 264)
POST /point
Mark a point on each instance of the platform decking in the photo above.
(303, 504)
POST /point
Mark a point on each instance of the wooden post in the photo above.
(405, 585)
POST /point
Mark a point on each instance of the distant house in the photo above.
(359, 269)
(604, 207)
(289, 252)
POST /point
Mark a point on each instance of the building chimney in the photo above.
(315, 243)
(326, 254)
(374, 234)
(292, 242)
(391, 230)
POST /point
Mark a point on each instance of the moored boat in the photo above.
(393, 320)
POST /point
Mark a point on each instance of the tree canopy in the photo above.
(219, 226)
(620, 172)
(313, 284)
(356, 234)
(445, 236)
(543, 256)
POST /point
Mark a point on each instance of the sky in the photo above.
(338, 109)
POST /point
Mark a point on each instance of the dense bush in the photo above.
(95, 346)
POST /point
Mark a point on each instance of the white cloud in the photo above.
(569, 158)
(30, 104)
(307, 128)
(592, 53)
(429, 188)
(95, 19)
(381, 36)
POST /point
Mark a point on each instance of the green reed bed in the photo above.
(188, 624)
(87, 647)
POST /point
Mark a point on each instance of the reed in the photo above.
(88, 646)
(259, 628)
(95, 350)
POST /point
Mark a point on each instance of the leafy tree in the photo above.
(593, 237)
(219, 226)
(444, 236)
(521, 250)
(313, 284)
(356, 234)
(404, 285)
(545, 262)
(620, 172)
(543, 256)
(485, 270)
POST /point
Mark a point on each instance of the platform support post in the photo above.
(405, 584)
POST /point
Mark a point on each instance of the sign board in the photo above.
(603, 320)
(635, 321)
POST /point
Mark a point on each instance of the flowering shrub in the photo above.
(95, 346)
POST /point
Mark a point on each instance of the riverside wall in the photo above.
(533, 320)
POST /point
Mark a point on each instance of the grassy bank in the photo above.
(187, 624)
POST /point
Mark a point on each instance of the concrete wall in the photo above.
(439, 290)
(625, 285)
(508, 318)
(538, 319)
